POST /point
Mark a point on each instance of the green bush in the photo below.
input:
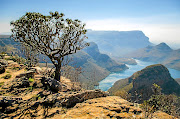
(30, 88)
(159, 101)
(1, 83)
(7, 72)
(31, 79)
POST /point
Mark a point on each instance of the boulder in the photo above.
(22, 82)
(27, 74)
(52, 84)
(72, 98)
(3, 65)
(37, 69)
(3, 62)
(104, 108)
(9, 104)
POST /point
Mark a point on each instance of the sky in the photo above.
(158, 19)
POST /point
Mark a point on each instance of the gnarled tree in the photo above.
(51, 35)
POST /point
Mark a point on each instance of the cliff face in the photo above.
(104, 60)
(95, 65)
(142, 81)
(118, 43)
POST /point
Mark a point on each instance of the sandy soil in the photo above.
(13, 73)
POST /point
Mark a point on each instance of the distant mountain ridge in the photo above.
(104, 60)
(96, 66)
(118, 43)
(160, 53)
(7, 45)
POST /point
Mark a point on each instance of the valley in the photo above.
(93, 59)
(108, 82)
(103, 69)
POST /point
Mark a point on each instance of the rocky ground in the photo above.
(30, 94)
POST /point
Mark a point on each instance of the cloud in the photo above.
(5, 28)
(157, 33)
(157, 28)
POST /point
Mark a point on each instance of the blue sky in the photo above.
(158, 19)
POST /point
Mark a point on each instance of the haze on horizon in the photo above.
(158, 19)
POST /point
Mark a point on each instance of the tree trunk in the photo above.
(58, 72)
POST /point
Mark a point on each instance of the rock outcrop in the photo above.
(70, 99)
(107, 108)
(52, 84)
(3, 65)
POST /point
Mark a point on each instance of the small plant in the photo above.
(39, 97)
(30, 88)
(16, 68)
(7, 76)
(31, 79)
(36, 97)
(1, 83)
(7, 72)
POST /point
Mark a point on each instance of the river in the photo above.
(108, 82)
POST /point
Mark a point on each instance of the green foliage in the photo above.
(159, 101)
(36, 97)
(30, 88)
(1, 84)
(156, 89)
(31, 79)
(53, 36)
(123, 84)
(7, 76)
(147, 108)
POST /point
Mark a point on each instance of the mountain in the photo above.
(173, 60)
(178, 80)
(160, 53)
(118, 43)
(152, 53)
(104, 60)
(7, 45)
(142, 81)
(95, 65)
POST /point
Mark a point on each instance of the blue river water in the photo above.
(108, 82)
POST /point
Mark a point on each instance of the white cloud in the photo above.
(157, 33)
(5, 28)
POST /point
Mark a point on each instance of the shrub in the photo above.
(7, 72)
(30, 88)
(31, 79)
(159, 101)
(1, 83)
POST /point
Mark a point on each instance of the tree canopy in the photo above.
(51, 35)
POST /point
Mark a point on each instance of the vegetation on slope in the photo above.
(143, 80)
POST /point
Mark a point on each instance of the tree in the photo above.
(160, 101)
(51, 35)
(30, 54)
